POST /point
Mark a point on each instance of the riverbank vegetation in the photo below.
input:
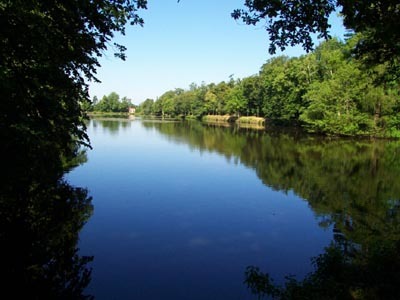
(110, 104)
(251, 120)
(327, 91)
(219, 118)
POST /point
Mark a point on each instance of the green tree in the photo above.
(113, 103)
(196, 103)
(330, 56)
(333, 104)
(348, 99)
(125, 104)
(253, 93)
(291, 22)
(183, 103)
(165, 106)
(146, 107)
(381, 102)
(49, 51)
(211, 103)
(221, 90)
(280, 103)
(236, 103)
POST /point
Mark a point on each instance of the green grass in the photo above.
(219, 118)
(251, 120)
(107, 114)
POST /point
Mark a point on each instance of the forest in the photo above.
(110, 104)
(328, 91)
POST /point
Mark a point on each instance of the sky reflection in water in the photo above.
(173, 221)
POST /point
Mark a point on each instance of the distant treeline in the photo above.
(328, 91)
(111, 103)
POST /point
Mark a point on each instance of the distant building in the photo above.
(131, 110)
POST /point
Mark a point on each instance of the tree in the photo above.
(113, 100)
(113, 103)
(110, 103)
(236, 102)
(252, 92)
(146, 107)
(195, 102)
(95, 100)
(182, 106)
(210, 100)
(333, 104)
(278, 90)
(291, 22)
(165, 104)
(221, 90)
(125, 104)
(346, 98)
(48, 52)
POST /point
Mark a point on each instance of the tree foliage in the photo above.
(146, 107)
(112, 103)
(328, 91)
(289, 23)
(48, 52)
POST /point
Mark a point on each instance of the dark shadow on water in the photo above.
(40, 223)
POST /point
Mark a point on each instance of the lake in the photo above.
(181, 209)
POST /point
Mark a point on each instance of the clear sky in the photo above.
(180, 43)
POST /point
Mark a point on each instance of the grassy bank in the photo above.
(107, 114)
(245, 122)
(251, 120)
(219, 119)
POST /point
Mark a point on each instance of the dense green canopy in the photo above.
(291, 22)
(327, 91)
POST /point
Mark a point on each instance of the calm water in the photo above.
(181, 209)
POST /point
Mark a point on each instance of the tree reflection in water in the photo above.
(39, 228)
(351, 185)
(345, 270)
(112, 125)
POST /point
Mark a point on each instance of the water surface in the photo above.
(181, 209)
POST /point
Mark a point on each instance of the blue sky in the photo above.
(180, 43)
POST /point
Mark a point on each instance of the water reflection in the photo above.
(366, 267)
(39, 227)
(351, 185)
(319, 170)
(112, 125)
